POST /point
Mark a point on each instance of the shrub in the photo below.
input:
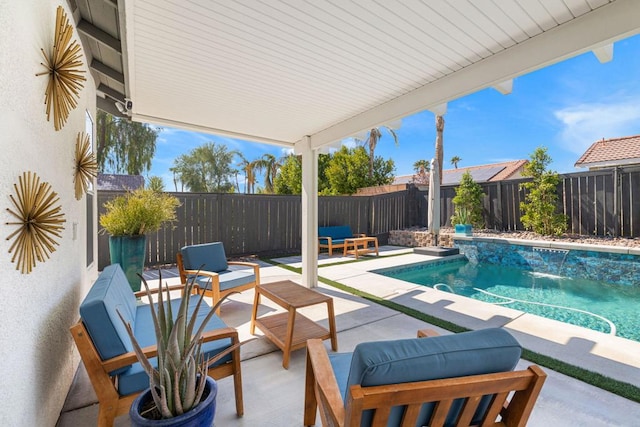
(468, 202)
(138, 212)
(539, 210)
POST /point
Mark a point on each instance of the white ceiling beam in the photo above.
(505, 87)
(609, 23)
(136, 117)
(604, 53)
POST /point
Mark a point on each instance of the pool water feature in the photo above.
(597, 305)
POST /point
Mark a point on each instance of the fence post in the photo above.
(616, 201)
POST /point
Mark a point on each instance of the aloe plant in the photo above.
(177, 384)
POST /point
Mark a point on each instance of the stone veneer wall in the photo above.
(418, 238)
(618, 265)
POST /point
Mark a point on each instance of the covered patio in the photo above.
(308, 75)
(301, 75)
(274, 396)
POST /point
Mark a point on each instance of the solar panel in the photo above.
(478, 175)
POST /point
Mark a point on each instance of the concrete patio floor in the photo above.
(274, 396)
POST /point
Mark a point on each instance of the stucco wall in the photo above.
(37, 356)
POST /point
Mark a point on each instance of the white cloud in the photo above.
(584, 124)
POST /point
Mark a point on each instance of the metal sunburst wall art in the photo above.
(86, 165)
(65, 74)
(39, 220)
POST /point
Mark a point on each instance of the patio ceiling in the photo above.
(277, 71)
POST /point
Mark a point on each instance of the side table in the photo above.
(290, 330)
(360, 246)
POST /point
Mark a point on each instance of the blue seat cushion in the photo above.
(338, 232)
(135, 379)
(229, 279)
(422, 359)
(109, 294)
(207, 256)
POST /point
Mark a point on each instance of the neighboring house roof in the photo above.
(611, 152)
(482, 173)
(112, 182)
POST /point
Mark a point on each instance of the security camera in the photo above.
(124, 107)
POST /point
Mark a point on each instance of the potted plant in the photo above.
(128, 219)
(180, 392)
(462, 223)
(467, 206)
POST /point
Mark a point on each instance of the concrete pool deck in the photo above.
(274, 396)
(612, 356)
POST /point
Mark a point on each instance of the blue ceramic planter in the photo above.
(464, 229)
(200, 416)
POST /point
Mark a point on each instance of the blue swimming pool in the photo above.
(598, 305)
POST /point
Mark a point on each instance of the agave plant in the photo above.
(177, 384)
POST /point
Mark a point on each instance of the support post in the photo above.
(309, 212)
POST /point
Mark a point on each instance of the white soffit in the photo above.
(275, 71)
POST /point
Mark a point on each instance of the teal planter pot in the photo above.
(464, 229)
(130, 253)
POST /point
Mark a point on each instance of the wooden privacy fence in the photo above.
(600, 203)
(257, 224)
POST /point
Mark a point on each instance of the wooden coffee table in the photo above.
(360, 246)
(290, 330)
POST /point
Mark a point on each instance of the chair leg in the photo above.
(237, 382)
(310, 402)
(107, 414)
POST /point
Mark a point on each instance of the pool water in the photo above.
(596, 305)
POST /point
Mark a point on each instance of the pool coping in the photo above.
(611, 356)
(552, 244)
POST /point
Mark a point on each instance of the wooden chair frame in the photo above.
(321, 390)
(215, 293)
(111, 403)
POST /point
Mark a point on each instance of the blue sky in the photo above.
(564, 107)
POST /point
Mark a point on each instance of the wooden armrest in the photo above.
(156, 290)
(220, 333)
(212, 274)
(427, 333)
(325, 380)
(325, 237)
(245, 264)
(127, 359)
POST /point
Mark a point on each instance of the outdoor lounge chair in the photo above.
(107, 352)
(215, 279)
(462, 379)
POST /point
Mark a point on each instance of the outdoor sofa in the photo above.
(333, 237)
(107, 352)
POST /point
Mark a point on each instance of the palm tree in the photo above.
(249, 169)
(455, 160)
(372, 140)
(439, 143)
(270, 165)
(421, 169)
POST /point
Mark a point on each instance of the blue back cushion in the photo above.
(422, 359)
(99, 312)
(335, 232)
(207, 256)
